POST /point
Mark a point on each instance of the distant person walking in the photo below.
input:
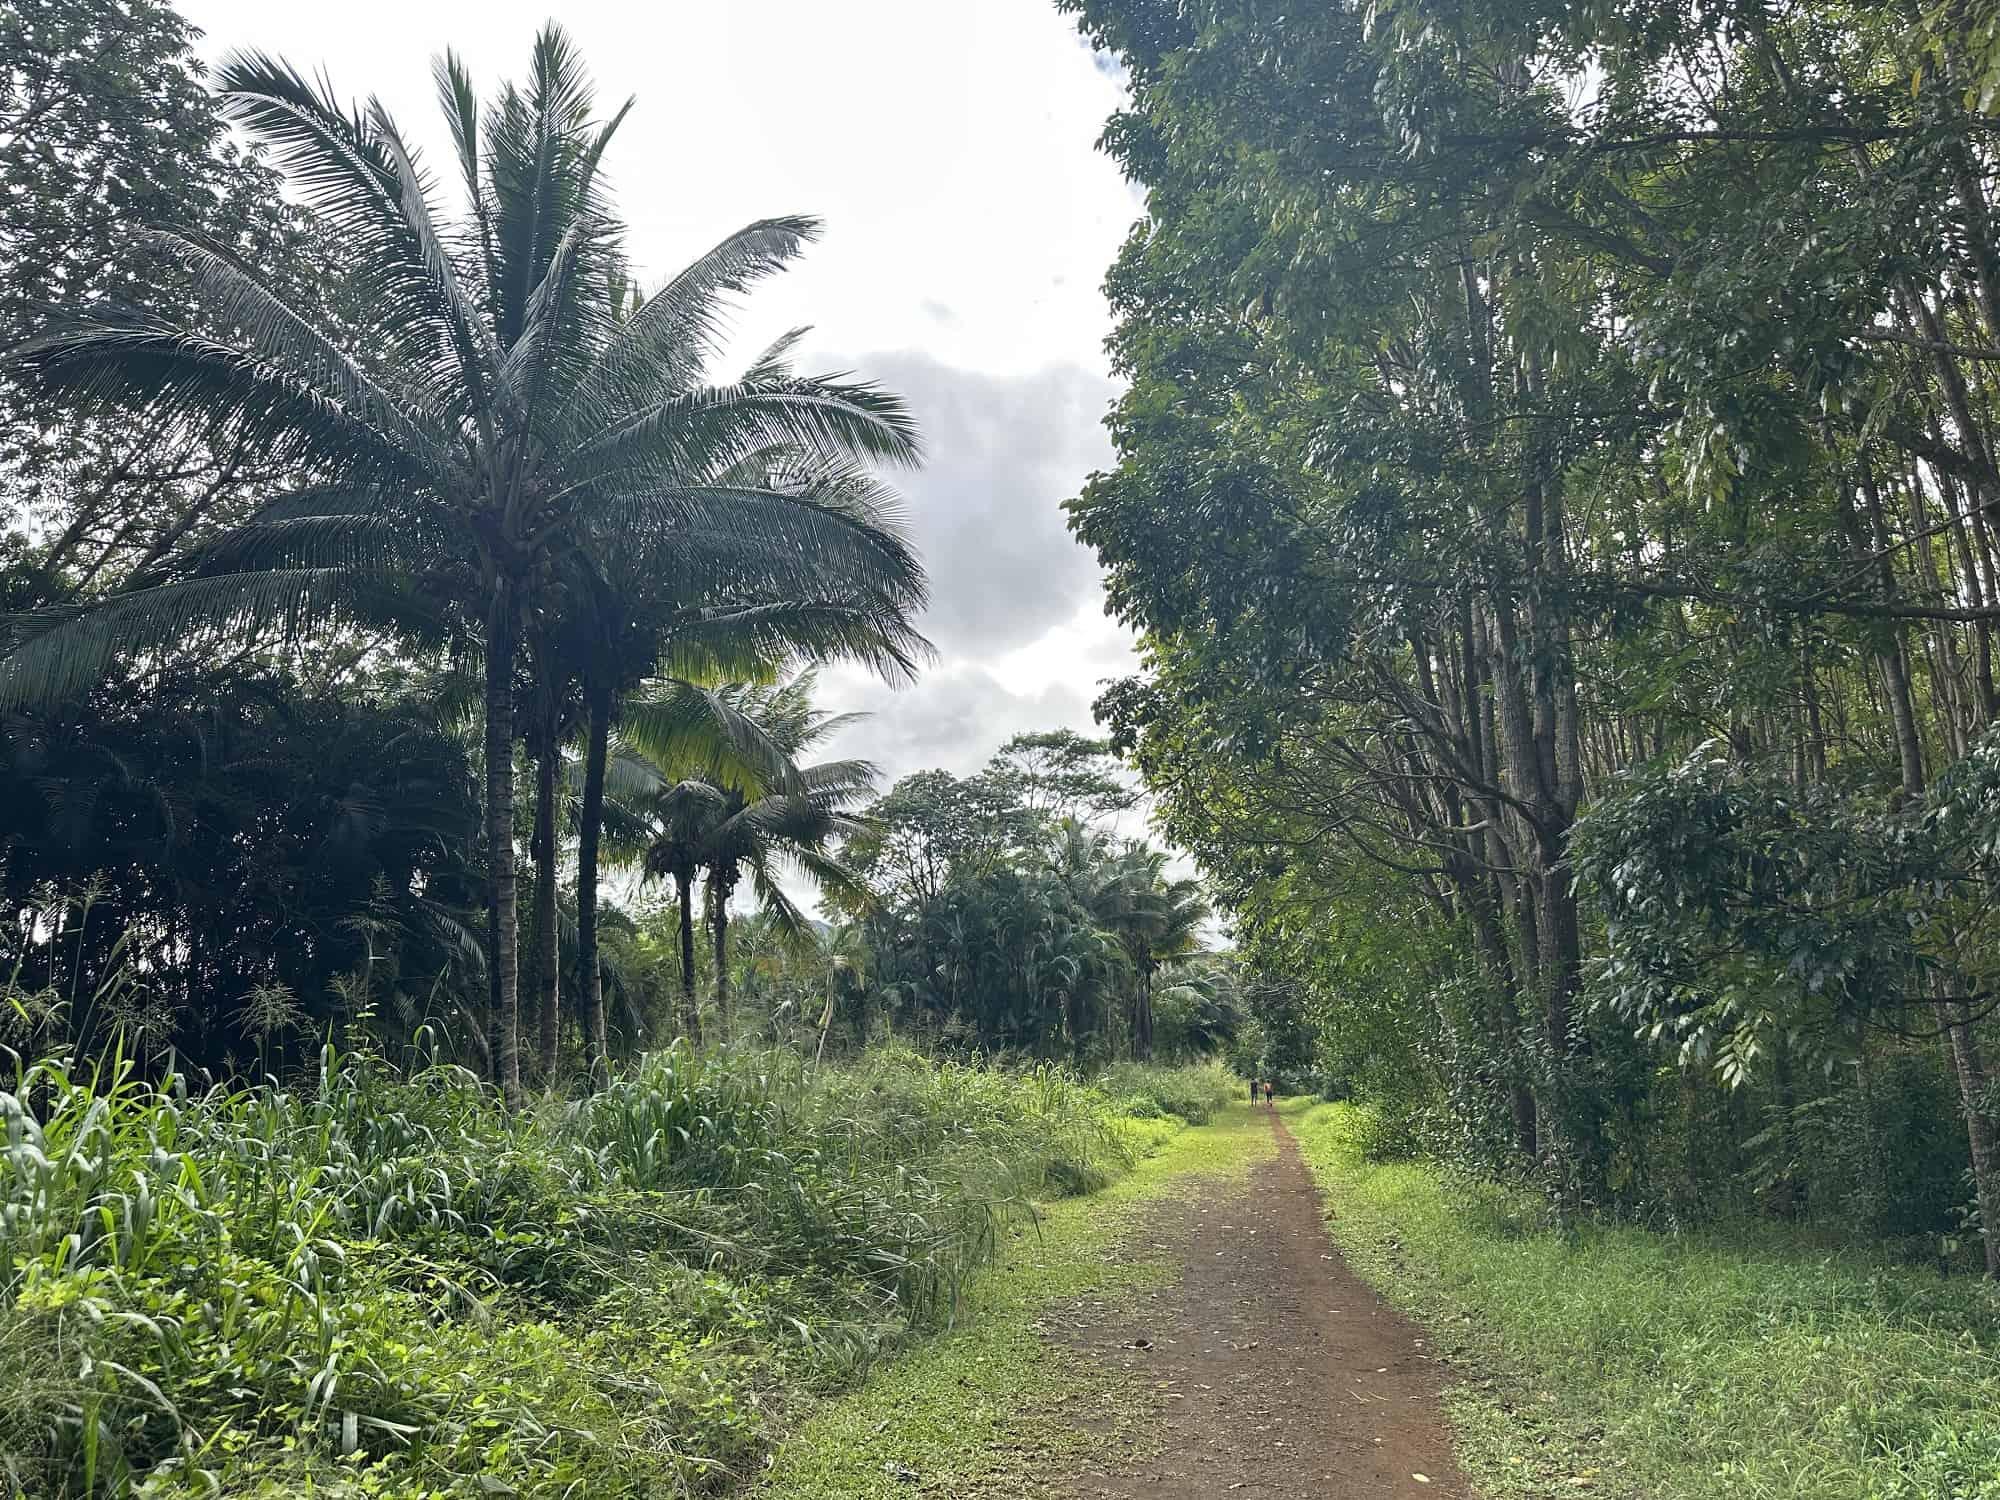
(1269, 1089)
(1254, 1086)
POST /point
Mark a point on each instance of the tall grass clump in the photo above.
(383, 1284)
(1192, 1092)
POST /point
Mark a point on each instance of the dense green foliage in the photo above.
(1006, 915)
(390, 1285)
(1556, 486)
(106, 127)
(1675, 1367)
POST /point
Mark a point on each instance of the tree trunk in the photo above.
(1895, 669)
(503, 1017)
(1972, 1090)
(590, 828)
(690, 1006)
(547, 929)
(719, 900)
(1785, 1194)
(1480, 902)
(1142, 1040)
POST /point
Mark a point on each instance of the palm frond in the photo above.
(832, 876)
(56, 654)
(668, 343)
(471, 336)
(689, 730)
(358, 543)
(756, 642)
(774, 362)
(191, 383)
(792, 923)
(460, 103)
(347, 175)
(541, 159)
(232, 293)
(764, 546)
(698, 432)
(543, 348)
(841, 780)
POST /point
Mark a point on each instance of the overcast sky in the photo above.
(949, 145)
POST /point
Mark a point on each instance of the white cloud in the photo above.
(947, 143)
(1004, 452)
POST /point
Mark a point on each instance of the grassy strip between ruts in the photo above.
(1623, 1362)
(976, 1410)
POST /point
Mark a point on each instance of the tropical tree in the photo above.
(762, 826)
(1000, 920)
(1156, 920)
(486, 412)
(1199, 1007)
(844, 951)
(681, 817)
(713, 609)
(104, 123)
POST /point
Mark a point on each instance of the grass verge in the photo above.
(372, 1284)
(1619, 1361)
(975, 1411)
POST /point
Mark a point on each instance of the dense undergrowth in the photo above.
(1620, 1361)
(1192, 1094)
(388, 1286)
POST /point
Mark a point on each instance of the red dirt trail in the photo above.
(1275, 1372)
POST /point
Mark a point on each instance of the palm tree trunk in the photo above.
(590, 828)
(690, 1007)
(548, 937)
(719, 898)
(503, 958)
(1143, 1040)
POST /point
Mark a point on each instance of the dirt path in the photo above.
(1273, 1370)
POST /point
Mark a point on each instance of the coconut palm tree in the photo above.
(493, 403)
(1156, 920)
(681, 818)
(845, 952)
(732, 828)
(780, 605)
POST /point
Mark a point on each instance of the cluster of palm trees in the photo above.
(505, 454)
(720, 828)
(1154, 920)
(1054, 940)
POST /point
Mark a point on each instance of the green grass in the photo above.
(1672, 1368)
(1192, 1092)
(976, 1411)
(379, 1287)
